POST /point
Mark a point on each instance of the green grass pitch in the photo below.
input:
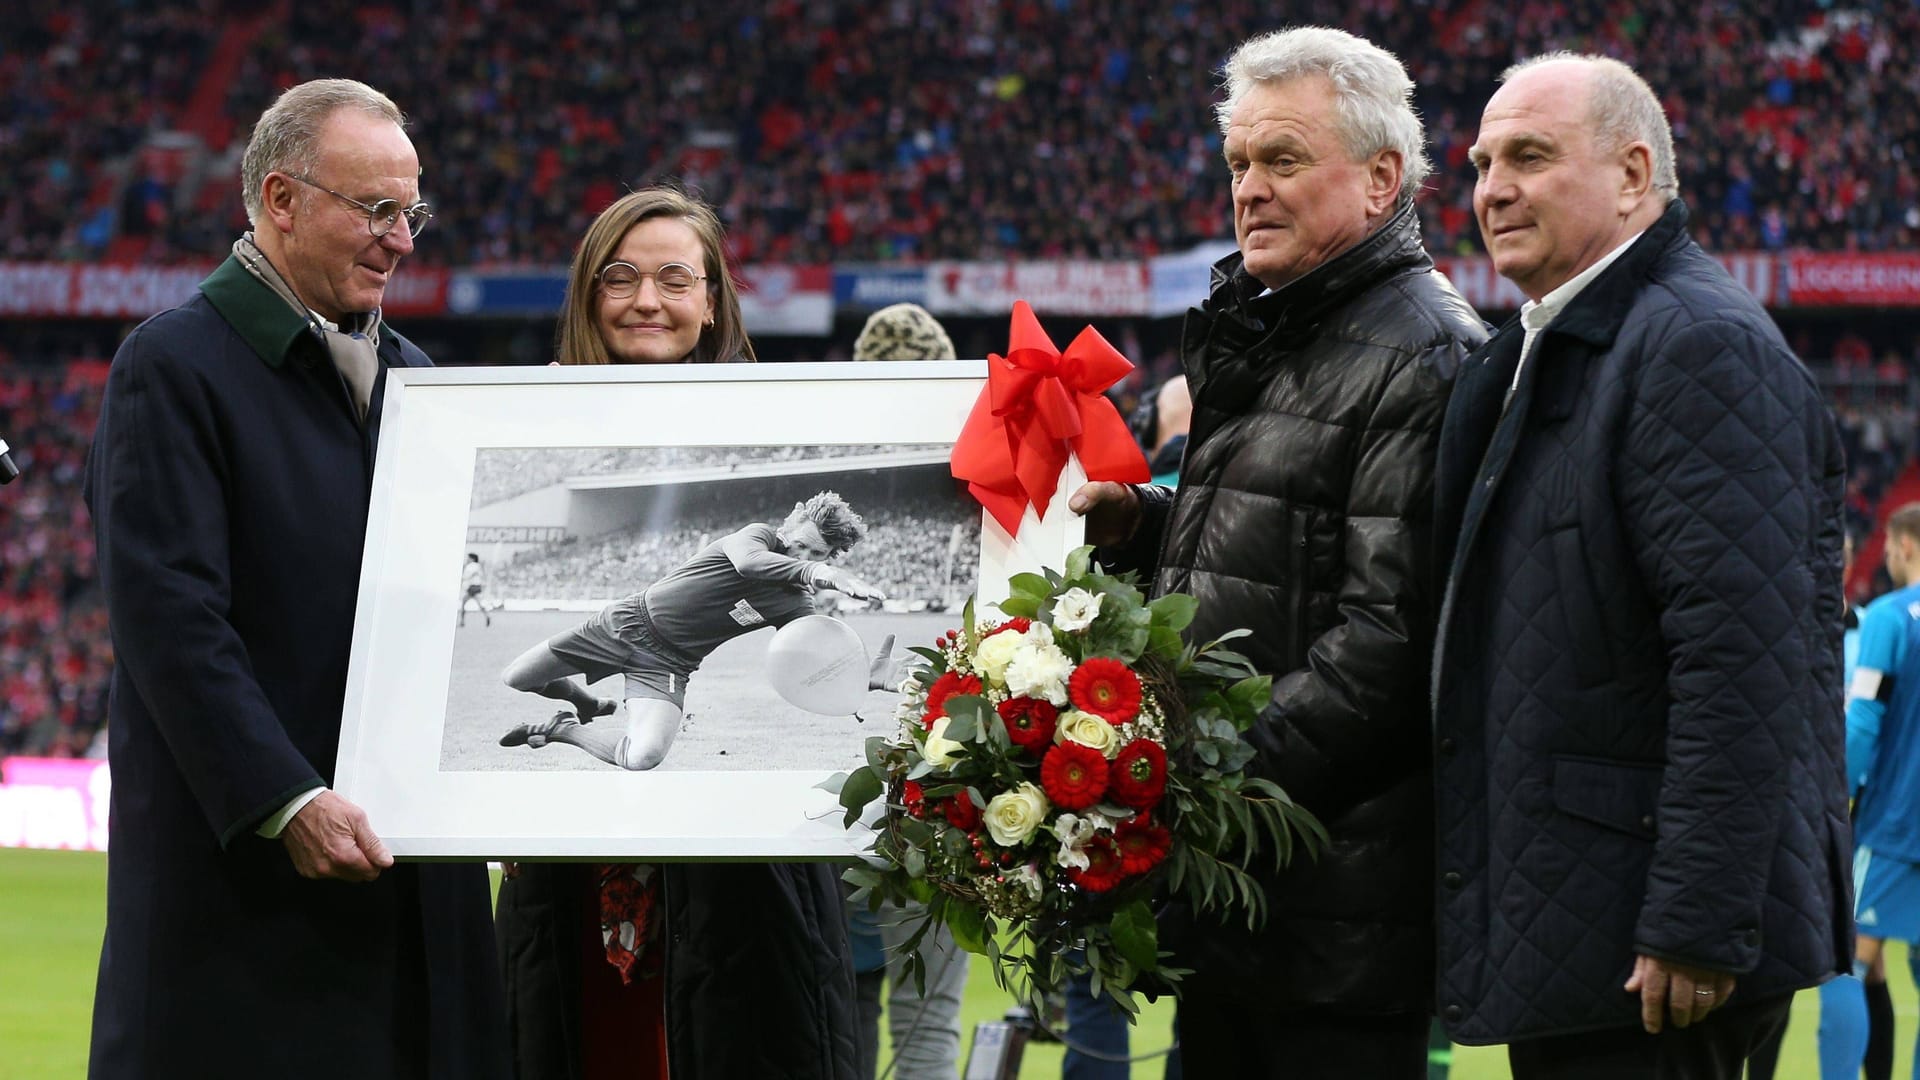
(53, 906)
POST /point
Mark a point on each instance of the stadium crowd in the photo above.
(503, 473)
(906, 549)
(849, 132)
(55, 656)
(83, 86)
(846, 132)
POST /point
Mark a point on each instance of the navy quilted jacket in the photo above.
(1638, 732)
(1304, 515)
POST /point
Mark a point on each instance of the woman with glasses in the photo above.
(712, 971)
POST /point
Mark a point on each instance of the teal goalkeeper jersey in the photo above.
(1883, 726)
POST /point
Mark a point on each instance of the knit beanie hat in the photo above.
(902, 332)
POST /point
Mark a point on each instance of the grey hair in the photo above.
(1623, 109)
(287, 136)
(1373, 95)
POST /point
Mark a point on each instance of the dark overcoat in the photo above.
(1637, 679)
(229, 483)
(759, 976)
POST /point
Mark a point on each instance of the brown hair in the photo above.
(725, 342)
(1905, 521)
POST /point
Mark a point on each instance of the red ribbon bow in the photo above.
(1041, 404)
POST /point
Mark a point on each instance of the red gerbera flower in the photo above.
(1141, 844)
(913, 799)
(1019, 624)
(1104, 869)
(961, 813)
(1073, 776)
(1105, 687)
(1139, 775)
(949, 684)
(1030, 723)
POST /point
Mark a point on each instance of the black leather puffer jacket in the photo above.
(1304, 515)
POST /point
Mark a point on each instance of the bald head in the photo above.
(1620, 105)
(1566, 175)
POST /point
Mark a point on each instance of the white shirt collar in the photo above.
(1538, 315)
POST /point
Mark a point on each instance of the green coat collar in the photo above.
(261, 318)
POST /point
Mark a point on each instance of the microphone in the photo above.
(8, 470)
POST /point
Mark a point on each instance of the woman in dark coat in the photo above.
(729, 971)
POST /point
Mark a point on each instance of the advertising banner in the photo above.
(870, 288)
(1841, 280)
(787, 301)
(81, 291)
(54, 803)
(1053, 287)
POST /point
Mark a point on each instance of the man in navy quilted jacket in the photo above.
(1642, 808)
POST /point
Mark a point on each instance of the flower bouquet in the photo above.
(1056, 770)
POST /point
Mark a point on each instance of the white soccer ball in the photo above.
(818, 663)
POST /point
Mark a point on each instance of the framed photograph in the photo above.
(629, 612)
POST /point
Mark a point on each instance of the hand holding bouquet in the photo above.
(1057, 769)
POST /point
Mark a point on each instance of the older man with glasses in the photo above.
(256, 926)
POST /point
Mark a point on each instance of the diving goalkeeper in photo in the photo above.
(758, 576)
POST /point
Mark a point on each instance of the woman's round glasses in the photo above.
(619, 280)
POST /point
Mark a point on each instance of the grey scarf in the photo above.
(353, 346)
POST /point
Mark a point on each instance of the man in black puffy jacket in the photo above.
(1641, 803)
(1319, 370)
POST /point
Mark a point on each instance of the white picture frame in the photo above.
(406, 671)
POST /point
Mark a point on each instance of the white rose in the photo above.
(1012, 816)
(1076, 610)
(940, 751)
(995, 653)
(1088, 730)
(1039, 669)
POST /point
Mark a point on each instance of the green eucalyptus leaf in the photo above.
(1174, 611)
(1206, 665)
(969, 926)
(1164, 641)
(1254, 693)
(966, 716)
(862, 787)
(956, 844)
(1079, 561)
(1135, 934)
(1032, 586)
(1020, 607)
(964, 723)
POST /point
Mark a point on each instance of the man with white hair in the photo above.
(256, 925)
(1318, 370)
(1640, 779)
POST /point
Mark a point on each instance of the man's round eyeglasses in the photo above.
(383, 215)
(620, 280)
